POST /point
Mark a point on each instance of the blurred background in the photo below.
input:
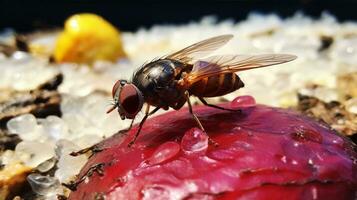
(129, 15)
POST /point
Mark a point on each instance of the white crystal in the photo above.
(68, 166)
(23, 125)
(25, 73)
(27, 128)
(47, 165)
(33, 153)
(88, 140)
(322, 93)
(87, 116)
(20, 55)
(64, 146)
(345, 51)
(90, 80)
(55, 127)
(44, 185)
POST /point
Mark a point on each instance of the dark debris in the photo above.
(98, 168)
(325, 42)
(8, 141)
(332, 113)
(40, 102)
(20, 44)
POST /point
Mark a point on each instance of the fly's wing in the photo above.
(200, 49)
(216, 65)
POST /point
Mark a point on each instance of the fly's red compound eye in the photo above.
(115, 88)
(130, 100)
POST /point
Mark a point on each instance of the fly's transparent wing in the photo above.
(216, 65)
(200, 49)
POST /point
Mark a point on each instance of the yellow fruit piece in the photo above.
(87, 38)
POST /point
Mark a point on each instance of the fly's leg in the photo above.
(217, 107)
(190, 109)
(147, 114)
(196, 119)
(93, 149)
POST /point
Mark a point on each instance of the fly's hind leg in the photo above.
(217, 107)
(147, 114)
(196, 119)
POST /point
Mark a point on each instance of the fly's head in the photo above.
(127, 98)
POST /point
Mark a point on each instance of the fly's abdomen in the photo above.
(216, 85)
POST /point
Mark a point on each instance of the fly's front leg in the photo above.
(196, 119)
(147, 114)
(217, 107)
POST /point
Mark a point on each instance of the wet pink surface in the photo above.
(263, 153)
(243, 102)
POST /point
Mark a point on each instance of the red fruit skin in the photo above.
(263, 153)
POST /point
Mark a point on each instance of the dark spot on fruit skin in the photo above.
(98, 168)
(93, 149)
(303, 135)
(72, 185)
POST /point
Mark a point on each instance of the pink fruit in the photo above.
(263, 153)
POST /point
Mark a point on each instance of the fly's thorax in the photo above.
(158, 81)
(157, 75)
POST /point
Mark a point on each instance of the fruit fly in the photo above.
(169, 82)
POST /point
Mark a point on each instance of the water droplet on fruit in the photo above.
(243, 102)
(164, 152)
(302, 134)
(195, 141)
